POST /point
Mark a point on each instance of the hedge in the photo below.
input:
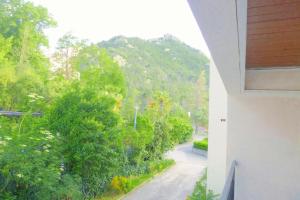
(203, 144)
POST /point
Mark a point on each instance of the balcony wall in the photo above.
(264, 138)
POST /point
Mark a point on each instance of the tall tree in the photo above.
(67, 48)
(22, 26)
(25, 23)
(201, 115)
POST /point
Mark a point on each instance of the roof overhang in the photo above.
(223, 24)
(218, 22)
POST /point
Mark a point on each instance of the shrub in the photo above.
(69, 188)
(120, 184)
(137, 140)
(203, 144)
(200, 192)
(30, 166)
(181, 130)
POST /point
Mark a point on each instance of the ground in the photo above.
(177, 182)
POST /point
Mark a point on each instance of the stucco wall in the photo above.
(264, 137)
(217, 132)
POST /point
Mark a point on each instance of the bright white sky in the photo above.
(98, 20)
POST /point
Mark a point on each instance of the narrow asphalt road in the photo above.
(178, 181)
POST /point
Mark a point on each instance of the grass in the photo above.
(111, 195)
(203, 144)
(133, 182)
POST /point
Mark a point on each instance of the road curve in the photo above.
(178, 181)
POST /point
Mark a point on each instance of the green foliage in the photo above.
(203, 144)
(120, 184)
(161, 141)
(85, 139)
(200, 191)
(22, 64)
(67, 48)
(126, 184)
(181, 129)
(25, 23)
(104, 76)
(69, 188)
(29, 160)
(159, 165)
(158, 111)
(136, 141)
(89, 127)
(201, 114)
(154, 167)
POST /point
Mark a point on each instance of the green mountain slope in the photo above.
(163, 64)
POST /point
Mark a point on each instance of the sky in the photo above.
(98, 20)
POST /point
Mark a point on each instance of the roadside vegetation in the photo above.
(85, 143)
(121, 185)
(203, 144)
(200, 191)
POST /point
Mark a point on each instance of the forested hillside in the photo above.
(165, 64)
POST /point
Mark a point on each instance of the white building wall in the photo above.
(264, 138)
(217, 153)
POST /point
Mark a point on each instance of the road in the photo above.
(178, 181)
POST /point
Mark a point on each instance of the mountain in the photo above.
(162, 64)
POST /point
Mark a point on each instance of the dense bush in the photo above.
(136, 141)
(120, 184)
(203, 144)
(181, 129)
(89, 130)
(30, 161)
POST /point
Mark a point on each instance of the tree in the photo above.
(201, 115)
(89, 130)
(181, 130)
(67, 48)
(22, 35)
(99, 71)
(137, 140)
(158, 110)
(160, 106)
(30, 154)
(89, 121)
(25, 23)
(7, 72)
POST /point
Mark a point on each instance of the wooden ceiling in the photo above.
(273, 33)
